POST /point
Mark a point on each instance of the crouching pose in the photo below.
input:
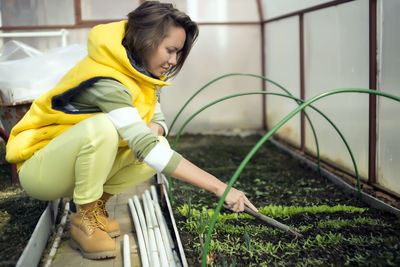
(100, 130)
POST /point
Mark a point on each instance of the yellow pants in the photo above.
(83, 162)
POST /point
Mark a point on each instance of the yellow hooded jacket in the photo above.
(47, 117)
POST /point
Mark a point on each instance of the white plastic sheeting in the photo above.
(27, 78)
(13, 50)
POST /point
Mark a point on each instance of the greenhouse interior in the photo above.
(281, 124)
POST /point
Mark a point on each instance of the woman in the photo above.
(99, 131)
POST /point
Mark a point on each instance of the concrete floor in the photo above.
(119, 210)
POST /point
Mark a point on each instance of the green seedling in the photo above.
(248, 243)
(189, 212)
(202, 224)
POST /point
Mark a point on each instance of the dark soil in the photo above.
(19, 215)
(367, 237)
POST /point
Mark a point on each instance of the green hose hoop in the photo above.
(265, 93)
(220, 78)
(256, 76)
(265, 137)
(298, 101)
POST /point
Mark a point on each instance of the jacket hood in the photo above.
(105, 47)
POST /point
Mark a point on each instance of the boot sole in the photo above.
(114, 234)
(93, 255)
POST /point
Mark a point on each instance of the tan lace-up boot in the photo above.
(108, 225)
(87, 233)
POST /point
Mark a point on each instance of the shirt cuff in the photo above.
(172, 164)
(163, 159)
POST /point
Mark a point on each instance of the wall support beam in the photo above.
(372, 85)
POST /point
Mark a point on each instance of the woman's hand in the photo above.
(156, 128)
(188, 172)
(236, 200)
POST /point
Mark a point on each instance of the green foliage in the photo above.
(228, 247)
(334, 235)
(195, 213)
(238, 230)
(272, 211)
(189, 211)
(226, 264)
(248, 243)
(281, 211)
(202, 225)
(341, 223)
(242, 239)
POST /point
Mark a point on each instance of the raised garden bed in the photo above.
(19, 215)
(338, 229)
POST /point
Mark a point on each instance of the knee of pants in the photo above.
(51, 172)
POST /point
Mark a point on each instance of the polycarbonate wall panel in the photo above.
(336, 56)
(106, 9)
(40, 12)
(389, 110)
(276, 8)
(218, 51)
(283, 66)
(219, 10)
(198, 10)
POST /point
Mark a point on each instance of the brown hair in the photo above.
(149, 24)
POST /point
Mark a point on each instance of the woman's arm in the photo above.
(188, 172)
(114, 99)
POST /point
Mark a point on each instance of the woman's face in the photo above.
(165, 54)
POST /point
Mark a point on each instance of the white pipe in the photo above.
(166, 184)
(159, 241)
(159, 178)
(127, 255)
(182, 260)
(139, 233)
(32, 34)
(154, 193)
(57, 240)
(163, 227)
(62, 33)
(165, 188)
(160, 245)
(155, 261)
(143, 224)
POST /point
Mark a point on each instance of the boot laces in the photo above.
(102, 207)
(92, 218)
